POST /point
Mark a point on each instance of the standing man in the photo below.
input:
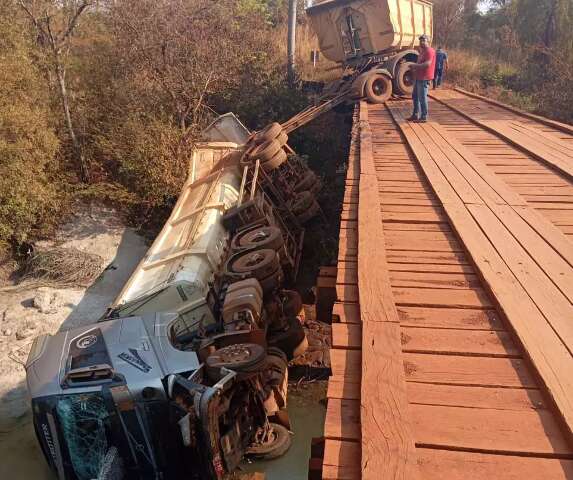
(423, 73)
(441, 66)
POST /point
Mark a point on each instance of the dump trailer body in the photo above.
(351, 30)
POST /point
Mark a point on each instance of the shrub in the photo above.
(150, 158)
(28, 146)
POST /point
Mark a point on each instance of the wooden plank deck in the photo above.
(465, 283)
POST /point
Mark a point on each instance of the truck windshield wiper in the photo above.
(135, 303)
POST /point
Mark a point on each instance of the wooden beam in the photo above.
(388, 450)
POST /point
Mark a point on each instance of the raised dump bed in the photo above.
(348, 30)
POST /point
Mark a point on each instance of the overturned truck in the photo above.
(187, 371)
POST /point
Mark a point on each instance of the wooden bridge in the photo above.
(453, 328)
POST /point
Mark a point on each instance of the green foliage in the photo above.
(521, 51)
(150, 157)
(28, 146)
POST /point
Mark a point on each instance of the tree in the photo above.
(28, 144)
(55, 22)
(448, 16)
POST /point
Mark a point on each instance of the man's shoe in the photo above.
(421, 120)
(412, 118)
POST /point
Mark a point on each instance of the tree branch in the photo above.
(74, 20)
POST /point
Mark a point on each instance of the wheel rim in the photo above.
(252, 261)
(233, 354)
(379, 87)
(408, 79)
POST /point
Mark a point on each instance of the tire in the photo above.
(301, 202)
(378, 88)
(290, 339)
(270, 132)
(242, 357)
(272, 282)
(292, 303)
(277, 352)
(278, 444)
(258, 263)
(275, 162)
(282, 139)
(404, 79)
(261, 237)
(265, 151)
(307, 182)
(309, 213)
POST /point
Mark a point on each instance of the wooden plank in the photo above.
(551, 262)
(515, 399)
(346, 335)
(346, 313)
(550, 233)
(347, 275)
(341, 460)
(459, 342)
(489, 430)
(416, 227)
(342, 420)
(520, 141)
(468, 319)
(546, 121)
(383, 404)
(459, 370)
(346, 363)
(434, 258)
(465, 158)
(549, 355)
(343, 387)
(454, 281)
(347, 293)
(428, 246)
(455, 465)
(437, 297)
(460, 176)
(555, 307)
(429, 268)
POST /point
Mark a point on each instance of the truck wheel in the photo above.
(282, 139)
(276, 444)
(277, 352)
(404, 79)
(270, 132)
(378, 88)
(292, 340)
(258, 263)
(301, 202)
(309, 213)
(292, 303)
(261, 237)
(275, 162)
(307, 182)
(272, 282)
(265, 151)
(242, 357)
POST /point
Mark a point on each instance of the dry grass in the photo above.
(306, 42)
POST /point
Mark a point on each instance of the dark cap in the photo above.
(424, 37)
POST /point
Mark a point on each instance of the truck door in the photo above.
(354, 33)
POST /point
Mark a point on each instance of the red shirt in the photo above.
(426, 73)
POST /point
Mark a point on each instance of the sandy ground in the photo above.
(97, 231)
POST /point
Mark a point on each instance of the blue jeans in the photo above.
(439, 77)
(420, 98)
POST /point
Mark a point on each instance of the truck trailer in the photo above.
(186, 373)
(374, 40)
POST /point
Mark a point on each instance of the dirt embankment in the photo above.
(29, 313)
